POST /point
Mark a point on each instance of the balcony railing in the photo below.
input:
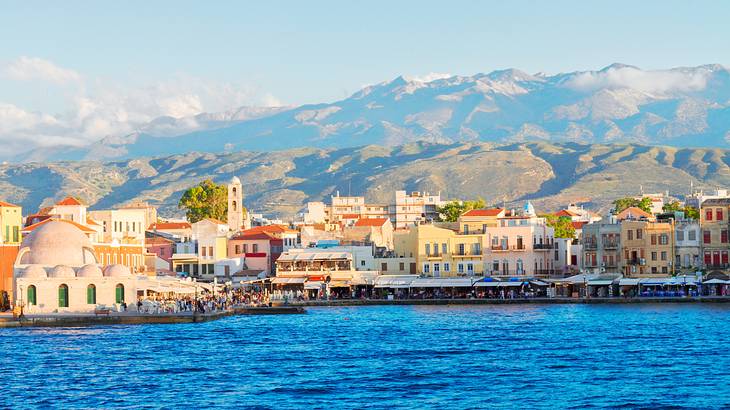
(543, 246)
(718, 266)
(610, 245)
(468, 253)
(508, 248)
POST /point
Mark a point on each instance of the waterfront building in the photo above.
(11, 223)
(441, 252)
(378, 231)
(521, 245)
(413, 208)
(125, 225)
(477, 221)
(647, 248)
(687, 245)
(56, 270)
(601, 247)
(163, 250)
(715, 242)
(260, 248)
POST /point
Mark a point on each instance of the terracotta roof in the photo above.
(565, 212)
(157, 240)
(635, 212)
(483, 212)
(269, 229)
(350, 216)
(371, 222)
(578, 225)
(8, 204)
(254, 235)
(31, 228)
(69, 200)
(161, 226)
(90, 221)
(216, 221)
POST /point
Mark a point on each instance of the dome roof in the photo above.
(33, 271)
(89, 271)
(62, 271)
(116, 271)
(235, 181)
(58, 243)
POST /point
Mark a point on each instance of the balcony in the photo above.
(718, 266)
(434, 256)
(610, 245)
(545, 272)
(590, 246)
(636, 261)
(543, 246)
(517, 247)
(466, 254)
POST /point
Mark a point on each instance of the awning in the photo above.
(313, 285)
(628, 282)
(441, 283)
(338, 284)
(717, 282)
(602, 282)
(656, 281)
(497, 284)
(539, 283)
(288, 281)
(394, 281)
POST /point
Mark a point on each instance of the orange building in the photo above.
(129, 255)
(8, 253)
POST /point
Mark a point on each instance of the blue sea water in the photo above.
(516, 356)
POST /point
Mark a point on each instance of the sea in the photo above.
(384, 357)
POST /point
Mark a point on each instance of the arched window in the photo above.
(63, 296)
(234, 191)
(91, 295)
(32, 296)
(520, 267)
(234, 206)
(120, 293)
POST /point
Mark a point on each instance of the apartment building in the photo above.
(520, 246)
(125, 225)
(715, 242)
(413, 208)
(441, 252)
(601, 247)
(647, 248)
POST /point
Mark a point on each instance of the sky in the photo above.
(76, 71)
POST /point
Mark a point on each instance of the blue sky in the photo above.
(211, 55)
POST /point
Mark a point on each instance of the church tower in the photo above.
(235, 205)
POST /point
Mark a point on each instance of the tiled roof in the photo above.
(157, 241)
(216, 221)
(484, 212)
(371, 222)
(254, 235)
(269, 229)
(565, 212)
(31, 228)
(161, 226)
(8, 204)
(635, 212)
(350, 216)
(716, 201)
(578, 225)
(90, 221)
(69, 200)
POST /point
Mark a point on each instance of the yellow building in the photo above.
(647, 247)
(440, 252)
(480, 220)
(11, 222)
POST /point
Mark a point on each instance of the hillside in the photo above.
(683, 107)
(281, 182)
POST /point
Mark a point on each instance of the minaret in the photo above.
(235, 205)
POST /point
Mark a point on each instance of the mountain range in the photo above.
(681, 107)
(281, 182)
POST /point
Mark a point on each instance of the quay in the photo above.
(133, 318)
(514, 301)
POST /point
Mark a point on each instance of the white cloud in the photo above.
(428, 77)
(99, 109)
(652, 82)
(33, 68)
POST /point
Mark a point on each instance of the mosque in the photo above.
(57, 271)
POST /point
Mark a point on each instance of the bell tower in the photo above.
(235, 205)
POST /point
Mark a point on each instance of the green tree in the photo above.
(205, 200)
(622, 203)
(673, 206)
(691, 212)
(454, 209)
(562, 225)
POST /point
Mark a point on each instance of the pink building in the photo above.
(161, 247)
(260, 250)
(520, 246)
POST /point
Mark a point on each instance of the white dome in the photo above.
(116, 271)
(33, 271)
(235, 181)
(62, 271)
(90, 271)
(57, 243)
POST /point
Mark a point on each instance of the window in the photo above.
(460, 267)
(723, 236)
(664, 269)
(436, 269)
(718, 214)
(447, 267)
(202, 249)
(708, 258)
(663, 239)
(443, 248)
(664, 255)
(383, 266)
(32, 297)
(245, 248)
(724, 257)
(639, 234)
(520, 267)
(466, 229)
(428, 249)
(402, 266)
(630, 235)
(708, 215)
(692, 235)
(706, 237)
(495, 265)
(680, 235)
(238, 249)
(255, 248)
(462, 250)
(91, 295)
(119, 293)
(63, 296)
(653, 239)
(16, 234)
(653, 256)
(362, 263)
(470, 268)
(426, 268)
(210, 251)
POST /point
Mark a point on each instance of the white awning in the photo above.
(717, 282)
(656, 281)
(601, 282)
(497, 284)
(628, 282)
(539, 283)
(394, 281)
(314, 256)
(288, 281)
(313, 285)
(441, 283)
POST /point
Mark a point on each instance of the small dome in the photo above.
(235, 181)
(116, 271)
(34, 271)
(62, 271)
(89, 271)
(528, 209)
